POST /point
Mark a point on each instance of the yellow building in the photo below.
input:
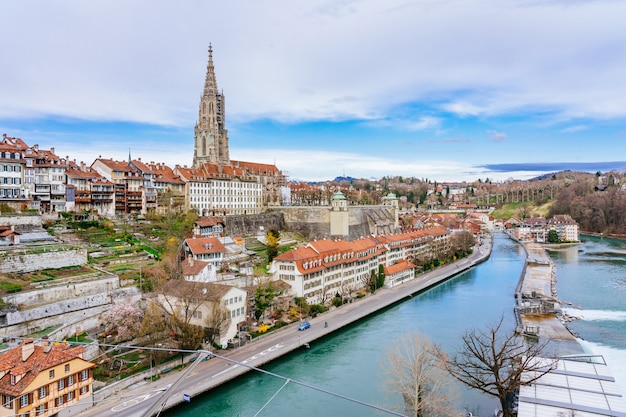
(40, 380)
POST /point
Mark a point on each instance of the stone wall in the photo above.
(60, 290)
(18, 220)
(314, 222)
(54, 257)
(251, 224)
(311, 222)
(74, 314)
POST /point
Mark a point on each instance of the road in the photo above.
(208, 374)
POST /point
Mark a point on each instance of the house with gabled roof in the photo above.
(207, 249)
(219, 309)
(43, 379)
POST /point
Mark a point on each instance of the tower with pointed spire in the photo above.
(210, 134)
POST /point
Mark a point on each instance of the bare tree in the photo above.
(217, 322)
(181, 302)
(417, 372)
(493, 362)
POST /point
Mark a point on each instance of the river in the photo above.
(592, 277)
(351, 362)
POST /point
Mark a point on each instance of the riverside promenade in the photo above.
(228, 365)
(537, 307)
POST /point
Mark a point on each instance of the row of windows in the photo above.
(11, 193)
(193, 191)
(5, 180)
(12, 168)
(233, 300)
(237, 312)
(216, 200)
(223, 184)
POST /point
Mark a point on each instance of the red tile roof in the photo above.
(401, 265)
(202, 245)
(39, 361)
(192, 266)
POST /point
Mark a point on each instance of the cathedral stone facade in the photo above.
(210, 133)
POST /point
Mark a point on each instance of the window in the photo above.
(52, 374)
(70, 395)
(41, 409)
(70, 380)
(60, 400)
(24, 400)
(61, 384)
(84, 375)
(67, 367)
(12, 379)
(43, 392)
(7, 401)
(84, 390)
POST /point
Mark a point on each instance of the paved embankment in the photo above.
(278, 343)
(537, 307)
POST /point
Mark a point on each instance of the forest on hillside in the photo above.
(595, 209)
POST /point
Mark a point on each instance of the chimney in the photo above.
(51, 150)
(47, 347)
(28, 347)
(190, 260)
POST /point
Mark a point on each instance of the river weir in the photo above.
(538, 310)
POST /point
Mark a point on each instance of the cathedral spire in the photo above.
(210, 82)
(210, 133)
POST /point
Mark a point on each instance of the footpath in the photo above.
(538, 310)
(269, 347)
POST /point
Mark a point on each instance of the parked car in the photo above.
(304, 325)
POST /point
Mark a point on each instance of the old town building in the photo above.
(43, 379)
(324, 268)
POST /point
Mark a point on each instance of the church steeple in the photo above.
(210, 134)
(210, 83)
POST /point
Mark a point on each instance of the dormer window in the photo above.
(13, 379)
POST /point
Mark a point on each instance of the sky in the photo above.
(445, 90)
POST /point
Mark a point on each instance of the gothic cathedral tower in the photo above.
(210, 134)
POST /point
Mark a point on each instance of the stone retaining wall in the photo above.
(21, 261)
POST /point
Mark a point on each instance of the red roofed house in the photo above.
(209, 251)
(399, 272)
(40, 380)
(195, 270)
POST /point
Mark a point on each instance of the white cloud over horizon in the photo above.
(420, 80)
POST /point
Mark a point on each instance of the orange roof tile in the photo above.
(202, 245)
(39, 361)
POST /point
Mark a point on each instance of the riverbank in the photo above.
(233, 363)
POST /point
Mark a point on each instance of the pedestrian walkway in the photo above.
(537, 306)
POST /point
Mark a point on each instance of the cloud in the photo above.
(313, 165)
(496, 136)
(321, 61)
(456, 140)
(573, 129)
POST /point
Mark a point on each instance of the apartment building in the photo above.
(87, 190)
(324, 268)
(13, 189)
(41, 380)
